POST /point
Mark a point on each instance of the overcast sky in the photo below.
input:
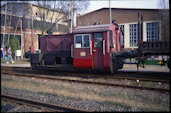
(149, 4)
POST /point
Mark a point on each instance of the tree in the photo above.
(80, 5)
(48, 15)
(73, 8)
(14, 44)
(65, 9)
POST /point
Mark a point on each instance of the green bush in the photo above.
(14, 44)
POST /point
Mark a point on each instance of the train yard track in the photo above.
(38, 104)
(87, 81)
(153, 77)
(79, 79)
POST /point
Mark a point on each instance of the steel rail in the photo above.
(140, 79)
(91, 82)
(38, 104)
(7, 69)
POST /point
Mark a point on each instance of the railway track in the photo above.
(38, 104)
(88, 82)
(153, 77)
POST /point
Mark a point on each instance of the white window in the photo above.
(152, 31)
(82, 41)
(133, 34)
(122, 29)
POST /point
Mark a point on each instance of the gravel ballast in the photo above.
(14, 107)
(84, 96)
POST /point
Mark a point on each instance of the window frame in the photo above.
(82, 38)
(153, 31)
(133, 35)
(111, 38)
(122, 28)
(94, 40)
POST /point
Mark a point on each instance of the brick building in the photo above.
(24, 21)
(155, 26)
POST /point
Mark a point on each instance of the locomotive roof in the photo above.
(92, 28)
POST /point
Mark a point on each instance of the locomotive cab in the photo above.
(94, 45)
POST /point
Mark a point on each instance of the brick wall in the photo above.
(121, 16)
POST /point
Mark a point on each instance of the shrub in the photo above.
(15, 44)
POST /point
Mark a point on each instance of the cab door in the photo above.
(82, 51)
(98, 58)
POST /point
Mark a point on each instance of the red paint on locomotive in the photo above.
(89, 46)
(56, 43)
(99, 58)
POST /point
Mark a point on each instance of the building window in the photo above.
(122, 29)
(152, 31)
(133, 34)
(82, 41)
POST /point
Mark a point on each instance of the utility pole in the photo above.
(72, 8)
(22, 41)
(138, 27)
(110, 14)
(4, 30)
(32, 44)
(32, 29)
(10, 24)
(70, 18)
(74, 17)
(141, 27)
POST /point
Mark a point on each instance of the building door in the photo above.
(98, 58)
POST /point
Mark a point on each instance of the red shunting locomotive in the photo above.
(88, 47)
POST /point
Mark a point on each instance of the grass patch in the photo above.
(151, 62)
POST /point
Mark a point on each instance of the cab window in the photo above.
(78, 41)
(82, 41)
(111, 38)
(86, 40)
(98, 38)
(119, 38)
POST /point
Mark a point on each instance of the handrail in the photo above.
(90, 47)
(72, 51)
(103, 47)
